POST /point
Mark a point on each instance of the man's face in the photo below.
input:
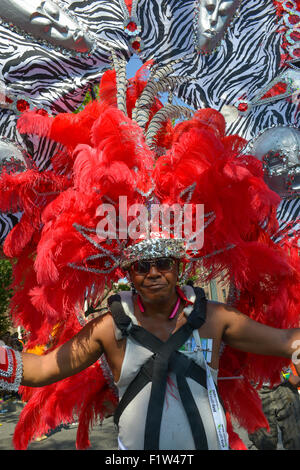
(156, 285)
(214, 17)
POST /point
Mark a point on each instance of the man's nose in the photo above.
(154, 272)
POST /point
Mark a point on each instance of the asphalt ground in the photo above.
(103, 437)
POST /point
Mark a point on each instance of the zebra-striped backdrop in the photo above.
(288, 215)
(247, 59)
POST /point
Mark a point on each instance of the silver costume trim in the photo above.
(14, 386)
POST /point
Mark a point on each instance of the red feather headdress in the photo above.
(125, 144)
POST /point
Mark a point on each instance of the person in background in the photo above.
(281, 406)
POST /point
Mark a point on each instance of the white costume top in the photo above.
(175, 432)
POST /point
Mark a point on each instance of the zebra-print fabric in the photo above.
(52, 80)
(247, 60)
(288, 215)
(7, 222)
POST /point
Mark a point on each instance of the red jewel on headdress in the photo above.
(293, 19)
(289, 5)
(296, 52)
(243, 107)
(22, 105)
(295, 36)
(132, 26)
(136, 45)
(276, 90)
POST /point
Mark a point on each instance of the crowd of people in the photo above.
(12, 340)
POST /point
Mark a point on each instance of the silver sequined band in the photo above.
(14, 386)
(8, 373)
(107, 374)
(153, 248)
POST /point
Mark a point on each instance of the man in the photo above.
(63, 260)
(281, 406)
(155, 284)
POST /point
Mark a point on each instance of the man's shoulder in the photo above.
(218, 313)
(215, 307)
(104, 330)
(103, 322)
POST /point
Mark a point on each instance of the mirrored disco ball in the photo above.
(12, 159)
(281, 141)
(279, 150)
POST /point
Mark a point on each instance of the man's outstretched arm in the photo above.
(68, 359)
(245, 334)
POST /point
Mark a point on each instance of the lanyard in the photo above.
(216, 410)
(214, 401)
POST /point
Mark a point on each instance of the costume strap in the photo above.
(166, 358)
(11, 369)
(122, 321)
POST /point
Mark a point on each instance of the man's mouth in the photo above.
(154, 286)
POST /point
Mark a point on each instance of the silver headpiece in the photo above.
(152, 248)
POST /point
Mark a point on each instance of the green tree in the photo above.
(5, 294)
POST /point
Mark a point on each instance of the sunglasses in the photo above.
(163, 265)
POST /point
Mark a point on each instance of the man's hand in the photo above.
(294, 380)
(2, 356)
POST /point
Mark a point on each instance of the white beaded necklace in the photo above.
(132, 26)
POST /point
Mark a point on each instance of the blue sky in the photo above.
(134, 64)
